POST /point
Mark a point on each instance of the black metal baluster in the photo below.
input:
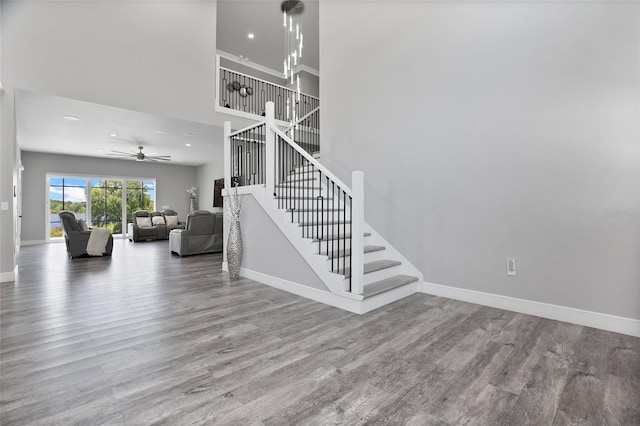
(351, 238)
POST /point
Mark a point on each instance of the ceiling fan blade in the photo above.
(156, 159)
(120, 155)
(121, 152)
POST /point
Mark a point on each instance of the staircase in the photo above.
(321, 217)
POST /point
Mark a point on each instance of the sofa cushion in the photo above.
(143, 221)
(171, 220)
(157, 220)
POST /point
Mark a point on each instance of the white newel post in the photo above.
(357, 232)
(270, 147)
(227, 155)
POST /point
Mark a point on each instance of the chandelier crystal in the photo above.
(293, 44)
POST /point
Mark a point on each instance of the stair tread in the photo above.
(339, 237)
(314, 211)
(348, 222)
(347, 252)
(370, 267)
(278, 197)
(387, 284)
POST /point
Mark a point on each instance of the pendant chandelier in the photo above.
(293, 43)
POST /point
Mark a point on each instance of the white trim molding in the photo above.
(598, 320)
(341, 302)
(6, 277)
(35, 242)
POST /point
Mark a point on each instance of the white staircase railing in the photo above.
(329, 211)
(306, 131)
(244, 95)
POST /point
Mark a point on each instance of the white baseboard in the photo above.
(6, 277)
(32, 242)
(301, 290)
(555, 312)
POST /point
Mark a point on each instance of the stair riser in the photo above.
(382, 274)
(302, 179)
(319, 216)
(301, 189)
(325, 231)
(336, 244)
(310, 204)
(368, 257)
(298, 191)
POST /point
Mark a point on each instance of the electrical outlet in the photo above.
(511, 266)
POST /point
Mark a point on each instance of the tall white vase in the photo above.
(234, 250)
(192, 205)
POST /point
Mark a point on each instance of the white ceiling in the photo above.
(41, 126)
(263, 18)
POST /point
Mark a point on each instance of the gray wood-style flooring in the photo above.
(149, 338)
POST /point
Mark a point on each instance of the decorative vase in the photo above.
(234, 250)
(191, 205)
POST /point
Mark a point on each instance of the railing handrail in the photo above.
(300, 120)
(268, 82)
(249, 127)
(313, 161)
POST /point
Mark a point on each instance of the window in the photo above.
(66, 194)
(103, 202)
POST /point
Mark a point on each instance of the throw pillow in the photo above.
(172, 220)
(143, 221)
(83, 225)
(157, 220)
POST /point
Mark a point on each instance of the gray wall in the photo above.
(266, 249)
(494, 130)
(309, 84)
(206, 175)
(171, 183)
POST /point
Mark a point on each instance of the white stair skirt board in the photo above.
(337, 301)
(598, 320)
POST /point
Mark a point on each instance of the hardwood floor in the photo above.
(150, 338)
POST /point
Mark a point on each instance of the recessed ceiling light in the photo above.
(100, 150)
(250, 35)
(113, 135)
(187, 144)
(190, 135)
(71, 118)
(160, 132)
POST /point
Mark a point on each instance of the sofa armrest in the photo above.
(178, 241)
(77, 243)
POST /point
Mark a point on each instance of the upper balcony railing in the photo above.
(248, 95)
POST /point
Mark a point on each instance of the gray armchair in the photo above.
(76, 238)
(139, 231)
(202, 234)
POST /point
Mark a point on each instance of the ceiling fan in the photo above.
(140, 156)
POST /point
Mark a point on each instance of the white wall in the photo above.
(206, 175)
(494, 130)
(171, 184)
(155, 57)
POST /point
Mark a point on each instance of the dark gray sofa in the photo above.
(76, 238)
(202, 234)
